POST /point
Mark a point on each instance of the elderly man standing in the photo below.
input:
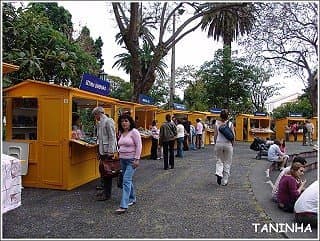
(107, 146)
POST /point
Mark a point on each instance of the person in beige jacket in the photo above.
(106, 139)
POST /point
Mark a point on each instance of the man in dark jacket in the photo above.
(186, 125)
(167, 136)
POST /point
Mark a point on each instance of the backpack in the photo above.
(226, 131)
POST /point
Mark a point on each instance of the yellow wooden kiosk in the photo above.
(249, 126)
(209, 119)
(144, 115)
(40, 114)
(283, 128)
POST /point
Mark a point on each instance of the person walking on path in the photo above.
(130, 147)
(223, 149)
(310, 131)
(192, 136)
(199, 130)
(304, 134)
(106, 139)
(186, 140)
(168, 134)
(180, 138)
(155, 140)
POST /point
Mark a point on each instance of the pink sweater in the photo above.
(130, 146)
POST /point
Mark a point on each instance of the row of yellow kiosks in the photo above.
(250, 126)
(40, 114)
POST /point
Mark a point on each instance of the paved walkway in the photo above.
(185, 202)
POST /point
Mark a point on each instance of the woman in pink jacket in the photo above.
(130, 147)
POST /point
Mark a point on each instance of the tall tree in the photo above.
(227, 24)
(286, 35)
(260, 90)
(129, 23)
(41, 51)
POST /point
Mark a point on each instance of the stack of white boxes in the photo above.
(10, 183)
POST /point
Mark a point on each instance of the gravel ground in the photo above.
(185, 202)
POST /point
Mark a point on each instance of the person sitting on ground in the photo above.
(276, 155)
(306, 206)
(286, 170)
(290, 187)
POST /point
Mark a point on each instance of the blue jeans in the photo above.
(128, 193)
(180, 146)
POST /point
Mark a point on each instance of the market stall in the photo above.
(283, 128)
(249, 126)
(40, 114)
(144, 115)
(210, 122)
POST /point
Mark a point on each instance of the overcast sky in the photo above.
(194, 49)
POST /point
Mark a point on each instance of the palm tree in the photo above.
(124, 60)
(228, 23)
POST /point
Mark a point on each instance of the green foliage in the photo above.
(159, 92)
(119, 88)
(87, 121)
(196, 97)
(225, 81)
(302, 106)
(58, 16)
(34, 41)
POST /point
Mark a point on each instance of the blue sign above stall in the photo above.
(295, 114)
(95, 85)
(260, 113)
(144, 99)
(215, 110)
(179, 106)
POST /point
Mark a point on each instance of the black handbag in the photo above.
(226, 131)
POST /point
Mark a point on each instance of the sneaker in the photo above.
(131, 203)
(158, 158)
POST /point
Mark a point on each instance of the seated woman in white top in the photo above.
(306, 206)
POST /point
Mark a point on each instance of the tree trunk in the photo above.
(313, 83)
